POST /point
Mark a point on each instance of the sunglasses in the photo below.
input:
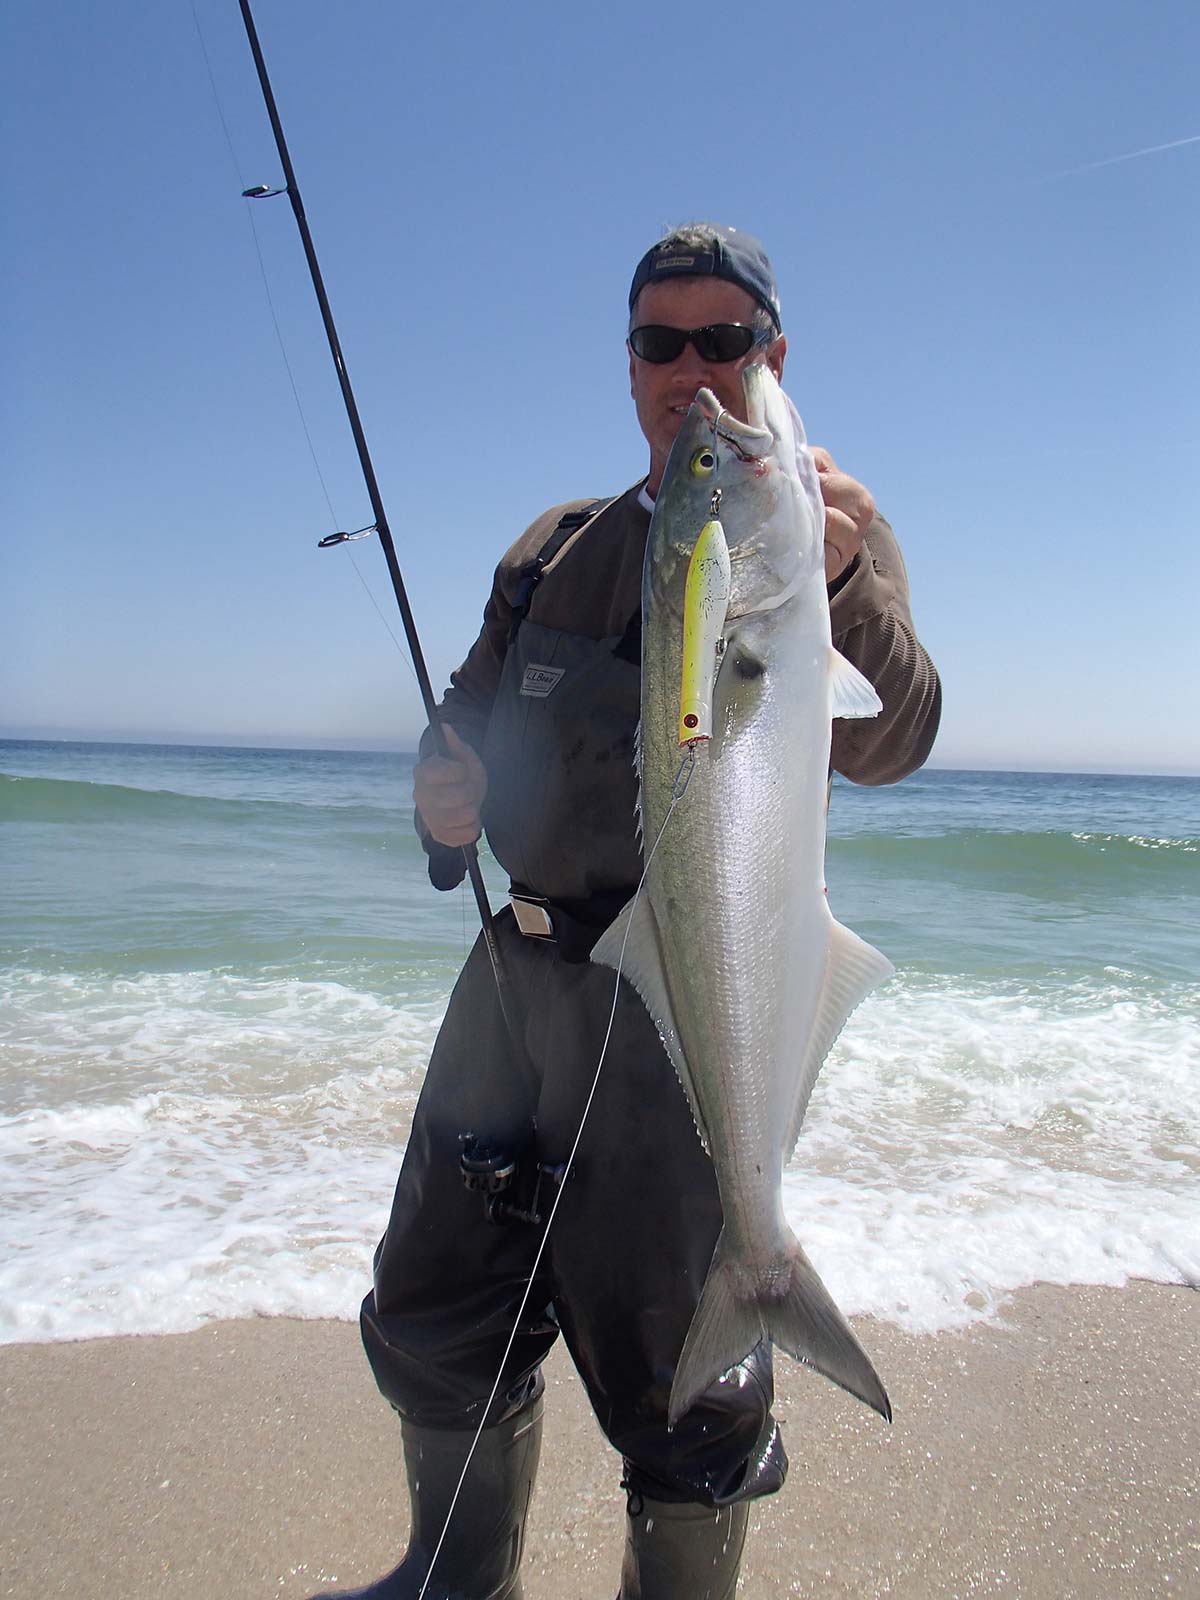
(720, 341)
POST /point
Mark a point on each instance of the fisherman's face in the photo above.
(662, 394)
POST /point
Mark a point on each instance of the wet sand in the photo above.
(1054, 1454)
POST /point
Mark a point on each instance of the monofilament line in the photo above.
(677, 792)
(262, 267)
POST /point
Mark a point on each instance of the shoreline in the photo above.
(1051, 1453)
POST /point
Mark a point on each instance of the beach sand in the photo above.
(1053, 1454)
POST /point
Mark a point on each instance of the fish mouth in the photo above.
(749, 443)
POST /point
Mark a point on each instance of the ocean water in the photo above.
(221, 971)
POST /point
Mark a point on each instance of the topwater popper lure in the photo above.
(705, 603)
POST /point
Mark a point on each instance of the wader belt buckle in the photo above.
(533, 918)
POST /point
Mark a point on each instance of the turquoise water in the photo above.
(221, 971)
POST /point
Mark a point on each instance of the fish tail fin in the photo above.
(791, 1307)
(726, 1326)
(804, 1321)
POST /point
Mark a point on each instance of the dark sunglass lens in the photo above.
(720, 341)
(726, 341)
(657, 344)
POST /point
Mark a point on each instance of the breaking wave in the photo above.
(64, 800)
(1043, 862)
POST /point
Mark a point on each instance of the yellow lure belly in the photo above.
(705, 602)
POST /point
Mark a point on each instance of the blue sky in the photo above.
(1005, 354)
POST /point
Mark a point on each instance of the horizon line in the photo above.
(391, 747)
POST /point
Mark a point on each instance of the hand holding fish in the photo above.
(849, 510)
(449, 791)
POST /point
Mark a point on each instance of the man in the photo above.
(540, 721)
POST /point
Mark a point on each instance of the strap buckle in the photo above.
(533, 918)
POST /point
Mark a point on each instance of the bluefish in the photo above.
(731, 942)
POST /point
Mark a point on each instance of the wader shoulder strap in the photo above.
(531, 573)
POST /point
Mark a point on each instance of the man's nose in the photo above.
(691, 364)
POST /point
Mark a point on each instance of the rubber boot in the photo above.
(682, 1551)
(481, 1554)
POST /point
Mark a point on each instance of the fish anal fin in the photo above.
(788, 1305)
(631, 946)
(852, 969)
(853, 695)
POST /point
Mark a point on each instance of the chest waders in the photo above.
(639, 1213)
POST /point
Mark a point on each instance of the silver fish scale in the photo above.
(727, 950)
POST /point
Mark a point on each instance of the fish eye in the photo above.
(704, 462)
(747, 665)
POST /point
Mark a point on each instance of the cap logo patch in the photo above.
(674, 263)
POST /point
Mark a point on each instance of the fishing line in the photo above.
(266, 282)
(678, 789)
(378, 612)
(434, 716)
(212, 83)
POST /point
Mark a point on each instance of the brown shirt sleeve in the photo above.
(873, 627)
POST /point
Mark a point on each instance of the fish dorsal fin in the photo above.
(642, 964)
(852, 969)
(853, 695)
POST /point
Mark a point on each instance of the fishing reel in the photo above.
(512, 1191)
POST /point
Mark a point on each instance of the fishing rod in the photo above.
(380, 525)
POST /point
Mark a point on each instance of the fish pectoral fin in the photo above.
(853, 695)
(631, 946)
(852, 969)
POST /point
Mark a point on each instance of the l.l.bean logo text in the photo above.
(539, 681)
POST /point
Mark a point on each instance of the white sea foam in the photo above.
(1187, 847)
(194, 1146)
(963, 1143)
(159, 1213)
(74, 1035)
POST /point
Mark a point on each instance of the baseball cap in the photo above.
(721, 252)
